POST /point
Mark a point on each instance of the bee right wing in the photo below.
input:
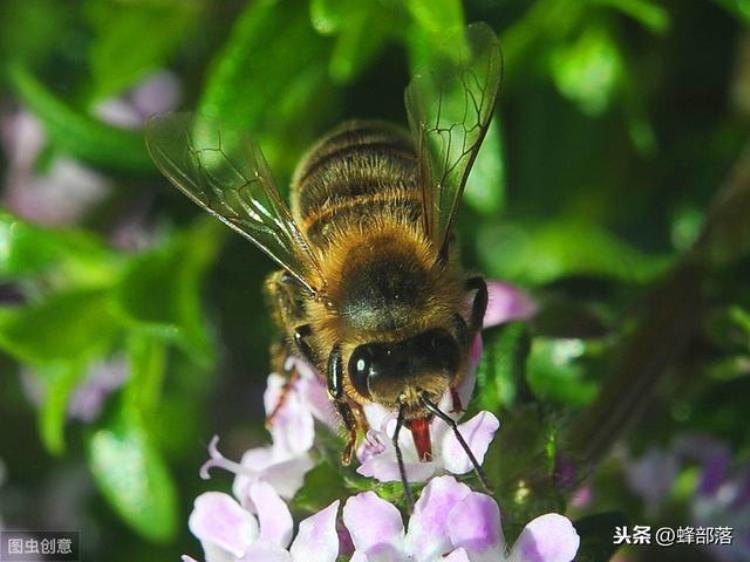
(450, 107)
(225, 172)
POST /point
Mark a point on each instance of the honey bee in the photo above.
(371, 292)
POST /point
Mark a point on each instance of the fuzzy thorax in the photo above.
(384, 283)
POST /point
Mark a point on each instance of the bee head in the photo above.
(425, 363)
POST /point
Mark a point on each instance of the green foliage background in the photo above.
(613, 184)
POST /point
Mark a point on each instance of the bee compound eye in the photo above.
(360, 368)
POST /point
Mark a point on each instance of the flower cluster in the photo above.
(449, 521)
(68, 189)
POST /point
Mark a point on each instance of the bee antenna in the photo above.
(400, 457)
(431, 407)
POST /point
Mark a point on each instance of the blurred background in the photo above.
(614, 185)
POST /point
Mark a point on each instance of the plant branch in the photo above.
(668, 321)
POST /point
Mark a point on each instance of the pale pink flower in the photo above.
(284, 463)
(261, 531)
(157, 93)
(450, 522)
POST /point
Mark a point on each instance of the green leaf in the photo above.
(485, 187)
(30, 29)
(159, 293)
(147, 359)
(739, 8)
(502, 366)
(327, 16)
(518, 466)
(596, 532)
(437, 31)
(77, 133)
(588, 70)
(434, 17)
(281, 104)
(368, 25)
(59, 381)
(647, 12)
(117, 60)
(362, 28)
(323, 485)
(133, 477)
(27, 250)
(534, 254)
(70, 326)
(556, 372)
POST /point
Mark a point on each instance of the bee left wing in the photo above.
(225, 172)
(450, 107)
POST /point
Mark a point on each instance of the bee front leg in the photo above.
(335, 374)
(284, 299)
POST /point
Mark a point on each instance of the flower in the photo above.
(652, 475)
(67, 189)
(451, 523)
(158, 93)
(60, 195)
(293, 406)
(104, 377)
(262, 531)
(720, 499)
(87, 400)
(505, 303)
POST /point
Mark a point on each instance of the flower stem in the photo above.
(668, 322)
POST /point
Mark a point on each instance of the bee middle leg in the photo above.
(479, 305)
(282, 293)
(465, 332)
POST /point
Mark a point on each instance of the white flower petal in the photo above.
(474, 524)
(255, 460)
(377, 416)
(265, 551)
(373, 523)
(213, 553)
(427, 536)
(217, 519)
(387, 553)
(287, 477)
(292, 427)
(548, 538)
(315, 396)
(507, 302)
(478, 433)
(273, 514)
(457, 556)
(317, 539)
(384, 467)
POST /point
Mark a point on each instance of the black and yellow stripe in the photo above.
(360, 170)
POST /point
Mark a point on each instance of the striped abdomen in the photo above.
(355, 173)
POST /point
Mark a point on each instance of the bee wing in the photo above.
(225, 172)
(450, 106)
